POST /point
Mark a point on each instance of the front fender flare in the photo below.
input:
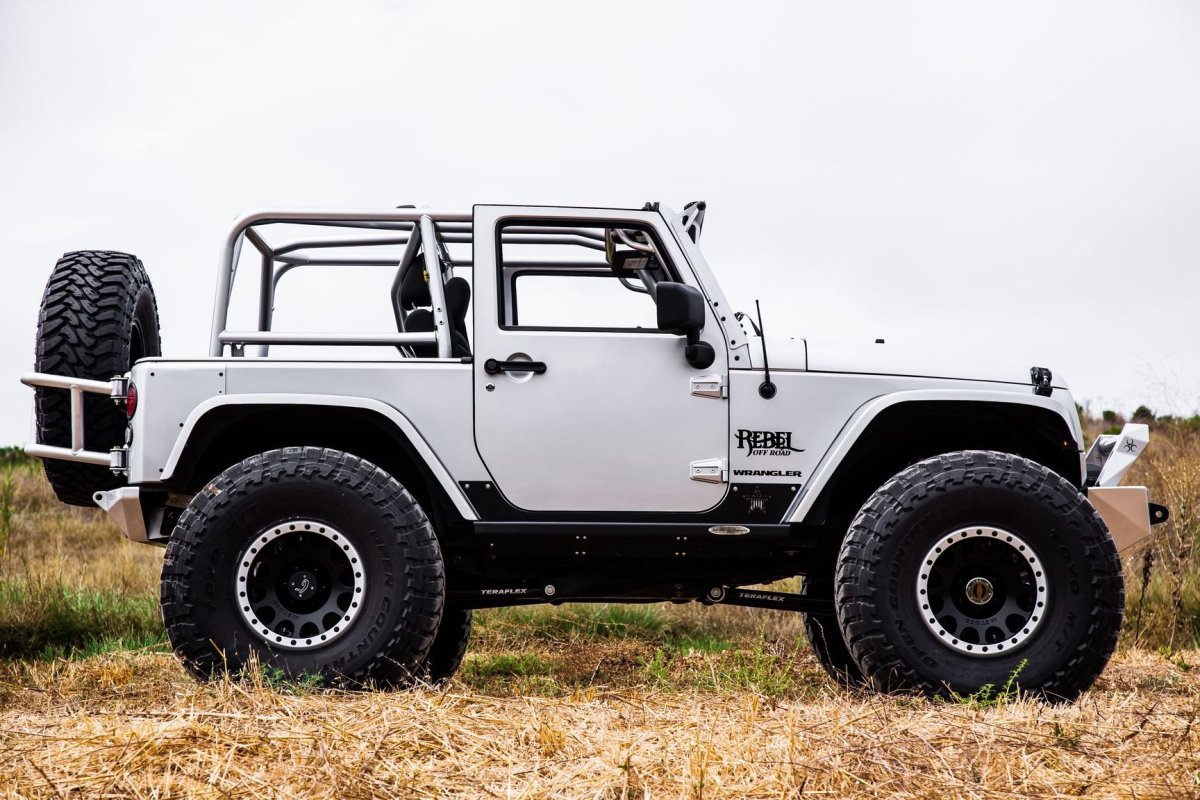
(868, 411)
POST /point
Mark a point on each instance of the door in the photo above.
(612, 424)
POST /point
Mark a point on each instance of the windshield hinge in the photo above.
(710, 386)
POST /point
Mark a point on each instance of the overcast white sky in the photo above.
(981, 177)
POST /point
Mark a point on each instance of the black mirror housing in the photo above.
(680, 309)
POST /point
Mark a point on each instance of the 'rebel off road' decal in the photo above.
(766, 443)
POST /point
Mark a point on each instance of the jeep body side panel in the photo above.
(800, 436)
(435, 396)
(168, 392)
(612, 425)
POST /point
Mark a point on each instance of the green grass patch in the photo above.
(506, 664)
(577, 621)
(516, 674)
(988, 696)
(91, 648)
(277, 680)
(56, 621)
(697, 642)
(713, 664)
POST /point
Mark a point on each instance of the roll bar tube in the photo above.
(400, 226)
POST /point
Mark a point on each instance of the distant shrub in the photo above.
(13, 456)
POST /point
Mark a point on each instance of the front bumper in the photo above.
(1126, 512)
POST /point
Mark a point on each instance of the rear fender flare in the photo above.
(419, 444)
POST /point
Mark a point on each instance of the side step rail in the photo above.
(116, 389)
(572, 591)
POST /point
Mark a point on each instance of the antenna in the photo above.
(766, 389)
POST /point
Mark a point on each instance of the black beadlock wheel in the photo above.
(98, 317)
(309, 560)
(970, 568)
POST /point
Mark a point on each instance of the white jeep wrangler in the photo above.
(586, 419)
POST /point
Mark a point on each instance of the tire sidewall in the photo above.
(144, 326)
(450, 645)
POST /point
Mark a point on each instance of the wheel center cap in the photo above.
(302, 585)
(980, 591)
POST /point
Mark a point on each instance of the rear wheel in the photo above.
(980, 568)
(308, 560)
(98, 317)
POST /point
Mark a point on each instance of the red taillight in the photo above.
(130, 400)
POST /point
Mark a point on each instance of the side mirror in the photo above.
(681, 310)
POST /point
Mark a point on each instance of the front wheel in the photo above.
(310, 561)
(980, 568)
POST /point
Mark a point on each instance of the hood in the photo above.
(960, 362)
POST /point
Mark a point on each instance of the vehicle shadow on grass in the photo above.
(555, 650)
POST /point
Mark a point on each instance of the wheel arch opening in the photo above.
(903, 434)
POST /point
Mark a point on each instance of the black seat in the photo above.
(414, 313)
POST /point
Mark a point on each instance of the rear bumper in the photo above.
(1126, 512)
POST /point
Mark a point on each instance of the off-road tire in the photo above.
(887, 547)
(450, 644)
(825, 635)
(387, 643)
(98, 316)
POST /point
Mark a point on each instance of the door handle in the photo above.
(494, 367)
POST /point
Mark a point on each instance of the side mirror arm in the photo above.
(681, 310)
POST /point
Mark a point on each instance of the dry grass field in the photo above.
(131, 725)
(571, 701)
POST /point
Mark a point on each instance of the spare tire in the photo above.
(98, 317)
